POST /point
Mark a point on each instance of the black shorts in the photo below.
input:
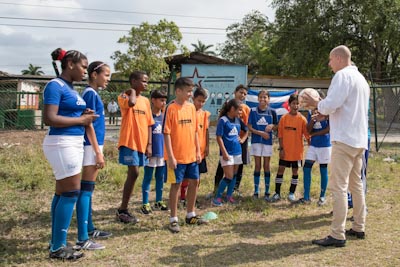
(290, 164)
(203, 166)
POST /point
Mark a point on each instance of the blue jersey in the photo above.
(157, 136)
(70, 104)
(320, 140)
(259, 120)
(94, 102)
(229, 130)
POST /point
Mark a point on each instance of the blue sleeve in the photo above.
(220, 128)
(52, 94)
(90, 99)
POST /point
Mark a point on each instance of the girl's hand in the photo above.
(225, 157)
(269, 128)
(100, 162)
(87, 119)
(265, 135)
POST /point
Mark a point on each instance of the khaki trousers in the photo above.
(346, 162)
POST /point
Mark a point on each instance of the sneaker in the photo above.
(160, 205)
(303, 201)
(90, 245)
(359, 235)
(174, 227)
(146, 209)
(125, 217)
(276, 197)
(217, 202)
(66, 253)
(321, 201)
(99, 234)
(196, 220)
(291, 197)
(255, 196)
(267, 198)
(231, 200)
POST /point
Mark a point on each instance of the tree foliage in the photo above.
(307, 30)
(203, 48)
(32, 70)
(250, 42)
(147, 46)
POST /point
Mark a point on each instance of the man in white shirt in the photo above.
(112, 108)
(347, 107)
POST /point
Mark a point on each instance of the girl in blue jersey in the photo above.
(156, 161)
(262, 121)
(66, 114)
(99, 76)
(228, 129)
(319, 150)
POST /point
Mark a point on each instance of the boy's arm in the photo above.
(171, 158)
(90, 133)
(281, 149)
(198, 154)
(149, 148)
(221, 145)
(132, 97)
(207, 149)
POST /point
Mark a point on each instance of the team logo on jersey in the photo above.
(80, 101)
(158, 129)
(140, 112)
(233, 132)
(262, 121)
(185, 121)
(317, 125)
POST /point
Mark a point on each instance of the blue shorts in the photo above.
(182, 171)
(131, 157)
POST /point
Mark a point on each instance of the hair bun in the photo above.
(58, 54)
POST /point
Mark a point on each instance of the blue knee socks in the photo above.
(83, 209)
(231, 187)
(54, 203)
(267, 180)
(148, 175)
(323, 168)
(222, 185)
(307, 179)
(62, 218)
(159, 182)
(256, 182)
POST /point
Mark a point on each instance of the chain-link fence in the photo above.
(21, 105)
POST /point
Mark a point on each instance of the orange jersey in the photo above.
(291, 130)
(181, 124)
(202, 120)
(136, 120)
(244, 116)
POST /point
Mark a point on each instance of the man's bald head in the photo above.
(339, 58)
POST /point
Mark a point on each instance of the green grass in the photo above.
(252, 233)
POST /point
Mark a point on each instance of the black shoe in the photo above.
(359, 235)
(329, 241)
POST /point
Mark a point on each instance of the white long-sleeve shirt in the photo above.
(347, 106)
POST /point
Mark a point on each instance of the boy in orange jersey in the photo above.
(291, 130)
(199, 99)
(135, 137)
(183, 151)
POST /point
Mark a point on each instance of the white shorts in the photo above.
(64, 153)
(89, 157)
(261, 150)
(233, 160)
(320, 154)
(156, 162)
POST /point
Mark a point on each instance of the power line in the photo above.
(101, 22)
(92, 29)
(119, 11)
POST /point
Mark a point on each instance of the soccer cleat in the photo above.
(255, 196)
(99, 234)
(276, 197)
(321, 201)
(303, 201)
(160, 205)
(291, 197)
(146, 209)
(217, 202)
(196, 220)
(125, 217)
(230, 200)
(90, 245)
(174, 227)
(66, 253)
(267, 198)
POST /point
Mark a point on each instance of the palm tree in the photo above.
(32, 70)
(203, 48)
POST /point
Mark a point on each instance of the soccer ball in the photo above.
(311, 92)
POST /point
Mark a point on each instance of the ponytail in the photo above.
(64, 56)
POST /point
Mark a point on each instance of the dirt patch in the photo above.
(8, 138)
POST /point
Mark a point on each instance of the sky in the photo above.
(23, 45)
